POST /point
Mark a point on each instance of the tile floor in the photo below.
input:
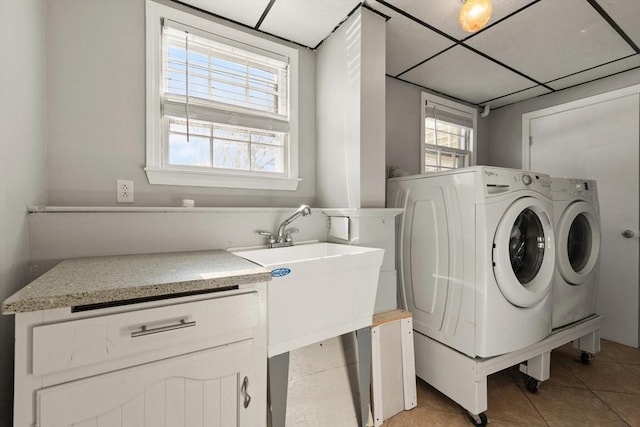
(604, 393)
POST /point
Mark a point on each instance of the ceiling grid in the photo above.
(530, 47)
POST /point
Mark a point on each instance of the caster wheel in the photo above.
(479, 419)
(585, 358)
(533, 385)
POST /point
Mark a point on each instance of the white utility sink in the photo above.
(317, 291)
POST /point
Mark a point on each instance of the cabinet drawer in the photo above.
(92, 340)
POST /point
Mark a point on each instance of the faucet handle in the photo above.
(288, 232)
(272, 239)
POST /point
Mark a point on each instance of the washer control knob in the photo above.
(526, 179)
(628, 234)
(578, 187)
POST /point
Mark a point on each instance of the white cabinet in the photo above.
(190, 361)
(197, 389)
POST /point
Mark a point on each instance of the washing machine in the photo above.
(576, 216)
(476, 256)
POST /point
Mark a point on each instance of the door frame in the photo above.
(591, 100)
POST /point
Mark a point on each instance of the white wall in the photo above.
(403, 127)
(22, 159)
(96, 100)
(372, 113)
(350, 122)
(61, 235)
(505, 124)
(337, 116)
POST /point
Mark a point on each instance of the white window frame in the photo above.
(159, 173)
(451, 106)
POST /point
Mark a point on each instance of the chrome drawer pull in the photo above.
(145, 331)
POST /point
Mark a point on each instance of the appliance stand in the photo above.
(464, 379)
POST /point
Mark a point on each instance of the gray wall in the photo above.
(403, 127)
(22, 159)
(96, 104)
(505, 124)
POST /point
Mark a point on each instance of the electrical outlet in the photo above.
(124, 191)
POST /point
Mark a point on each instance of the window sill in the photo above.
(208, 179)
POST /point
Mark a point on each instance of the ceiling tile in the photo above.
(306, 22)
(598, 72)
(408, 43)
(463, 74)
(443, 14)
(626, 14)
(552, 39)
(247, 12)
(519, 96)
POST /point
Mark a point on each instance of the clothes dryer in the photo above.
(576, 217)
(476, 256)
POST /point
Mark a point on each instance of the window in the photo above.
(221, 105)
(448, 134)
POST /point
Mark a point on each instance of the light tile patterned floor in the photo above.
(604, 393)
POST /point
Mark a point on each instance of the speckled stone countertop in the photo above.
(95, 280)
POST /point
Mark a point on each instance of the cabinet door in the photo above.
(199, 389)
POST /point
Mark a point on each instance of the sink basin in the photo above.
(317, 291)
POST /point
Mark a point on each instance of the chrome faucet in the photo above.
(283, 235)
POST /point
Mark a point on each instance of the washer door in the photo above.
(578, 237)
(524, 253)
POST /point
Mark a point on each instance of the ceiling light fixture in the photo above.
(474, 14)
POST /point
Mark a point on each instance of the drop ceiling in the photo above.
(528, 49)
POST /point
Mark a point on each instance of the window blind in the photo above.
(218, 114)
(447, 114)
(211, 78)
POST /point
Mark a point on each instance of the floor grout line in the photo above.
(526, 395)
(610, 408)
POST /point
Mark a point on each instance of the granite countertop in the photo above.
(95, 280)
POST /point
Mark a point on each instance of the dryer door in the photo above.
(523, 252)
(578, 239)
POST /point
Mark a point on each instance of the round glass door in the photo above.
(578, 235)
(579, 242)
(526, 246)
(524, 253)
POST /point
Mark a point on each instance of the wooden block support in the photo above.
(393, 364)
